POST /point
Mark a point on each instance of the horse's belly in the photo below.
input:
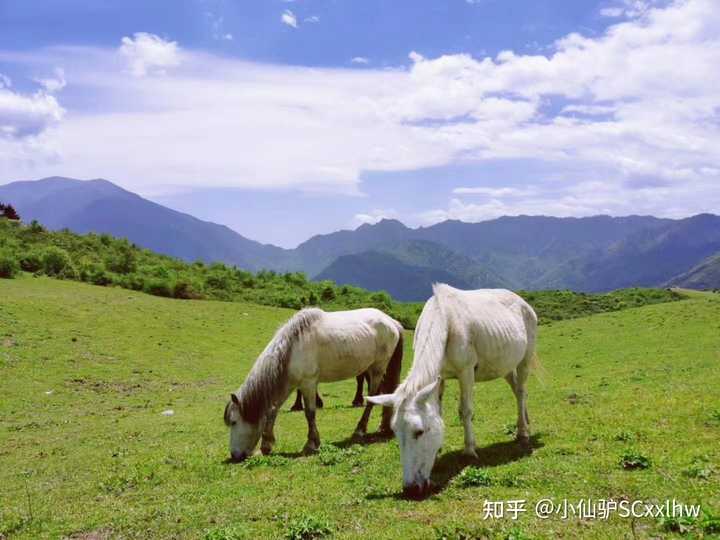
(339, 368)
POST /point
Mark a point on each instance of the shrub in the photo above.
(56, 262)
(632, 460)
(218, 279)
(36, 227)
(95, 273)
(31, 261)
(186, 289)
(123, 262)
(475, 476)
(136, 282)
(9, 266)
(328, 294)
(307, 527)
(159, 287)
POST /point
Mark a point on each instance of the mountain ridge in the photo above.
(594, 253)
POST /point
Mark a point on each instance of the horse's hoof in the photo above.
(386, 431)
(310, 449)
(524, 442)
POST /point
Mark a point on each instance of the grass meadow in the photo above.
(628, 409)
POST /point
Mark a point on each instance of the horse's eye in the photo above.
(418, 433)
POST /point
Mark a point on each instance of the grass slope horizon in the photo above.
(106, 261)
(86, 371)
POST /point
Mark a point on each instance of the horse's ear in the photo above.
(424, 394)
(234, 399)
(386, 400)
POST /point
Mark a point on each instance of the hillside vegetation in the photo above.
(85, 451)
(107, 261)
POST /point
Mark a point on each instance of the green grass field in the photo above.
(85, 373)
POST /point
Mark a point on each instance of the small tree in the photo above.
(7, 211)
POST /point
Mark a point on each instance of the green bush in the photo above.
(307, 527)
(9, 266)
(56, 262)
(122, 262)
(632, 459)
(31, 261)
(95, 273)
(159, 287)
(187, 290)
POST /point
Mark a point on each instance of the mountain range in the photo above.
(595, 253)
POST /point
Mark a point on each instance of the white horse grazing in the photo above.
(314, 346)
(471, 336)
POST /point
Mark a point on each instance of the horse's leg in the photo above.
(358, 399)
(318, 401)
(268, 435)
(309, 392)
(298, 405)
(441, 391)
(467, 381)
(523, 372)
(373, 385)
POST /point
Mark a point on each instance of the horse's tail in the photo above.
(537, 368)
(392, 372)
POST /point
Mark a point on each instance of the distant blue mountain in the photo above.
(595, 253)
(102, 207)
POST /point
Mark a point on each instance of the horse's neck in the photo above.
(265, 385)
(422, 374)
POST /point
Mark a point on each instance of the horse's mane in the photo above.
(268, 376)
(431, 335)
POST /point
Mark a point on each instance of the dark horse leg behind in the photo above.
(357, 401)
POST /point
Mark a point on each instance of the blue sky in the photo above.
(284, 119)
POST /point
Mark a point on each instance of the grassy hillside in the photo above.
(106, 261)
(85, 373)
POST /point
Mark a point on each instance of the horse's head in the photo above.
(244, 435)
(419, 428)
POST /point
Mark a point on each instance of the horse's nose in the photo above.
(237, 457)
(417, 491)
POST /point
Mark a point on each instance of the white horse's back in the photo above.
(365, 335)
(490, 329)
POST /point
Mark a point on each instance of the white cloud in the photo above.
(289, 18)
(312, 19)
(633, 116)
(26, 115)
(360, 60)
(374, 216)
(53, 84)
(612, 12)
(149, 54)
(500, 192)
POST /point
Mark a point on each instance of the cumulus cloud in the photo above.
(289, 18)
(148, 54)
(312, 19)
(25, 115)
(360, 60)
